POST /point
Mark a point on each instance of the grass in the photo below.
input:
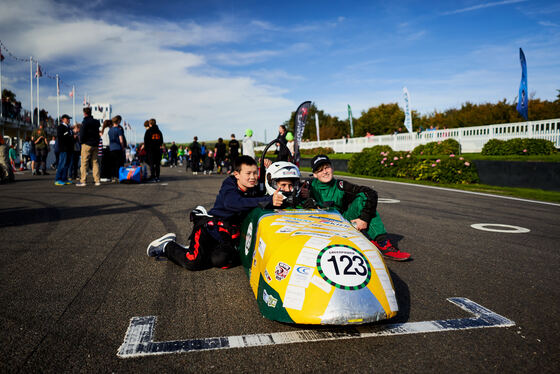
(523, 193)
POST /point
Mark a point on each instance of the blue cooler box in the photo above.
(132, 174)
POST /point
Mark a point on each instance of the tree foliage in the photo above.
(389, 118)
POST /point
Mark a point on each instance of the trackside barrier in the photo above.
(472, 139)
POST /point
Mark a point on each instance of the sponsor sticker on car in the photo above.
(282, 270)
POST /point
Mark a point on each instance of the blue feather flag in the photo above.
(523, 99)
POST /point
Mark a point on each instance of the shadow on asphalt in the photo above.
(19, 216)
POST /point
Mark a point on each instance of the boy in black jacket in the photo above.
(214, 235)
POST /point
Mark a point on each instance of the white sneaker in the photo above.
(80, 184)
(105, 180)
(157, 247)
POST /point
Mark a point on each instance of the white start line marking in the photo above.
(387, 201)
(139, 337)
(508, 229)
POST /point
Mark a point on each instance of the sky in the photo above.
(211, 68)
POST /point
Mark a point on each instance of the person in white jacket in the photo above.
(248, 144)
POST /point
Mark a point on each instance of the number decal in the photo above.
(361, 265)
(356, 270)
(347, 270)
(333, 260)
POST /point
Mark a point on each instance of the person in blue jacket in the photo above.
(215, 233)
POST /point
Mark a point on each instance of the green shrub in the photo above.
(518, 146)
(446, 147)
(378, 163)
(494, 147)
(316, 151)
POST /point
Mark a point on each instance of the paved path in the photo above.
(75, 271)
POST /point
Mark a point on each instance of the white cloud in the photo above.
(138, 68)
(482, 6)
(548, 24)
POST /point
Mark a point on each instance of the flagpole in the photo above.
(74, 104)
(38, 109)
(31, 80)
(57, 102)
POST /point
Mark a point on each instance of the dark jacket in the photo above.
(208, 163)
(64, 138)
(283, 151)
(153, 139)
(196, 150)
(233, 148)
(232, 204)
(89, 132)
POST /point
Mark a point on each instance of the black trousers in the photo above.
(154, 162)
(41, 162)
(117, 160)
(200, 258)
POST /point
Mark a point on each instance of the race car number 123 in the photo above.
(344, 267)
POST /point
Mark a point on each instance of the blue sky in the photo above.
(210, 68)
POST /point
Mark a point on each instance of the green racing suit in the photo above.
(352, 201)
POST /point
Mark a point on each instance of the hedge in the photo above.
(381, 161)
(445, 147)
(518, 146)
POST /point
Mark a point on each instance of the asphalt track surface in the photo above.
(75, 271)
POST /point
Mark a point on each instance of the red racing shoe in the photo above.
(390, 252)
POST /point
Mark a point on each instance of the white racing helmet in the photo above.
(280, 170)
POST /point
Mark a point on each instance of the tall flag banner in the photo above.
(38, 73)
(1, 56)
(317, 126)
(71, 94)
(523, 99)
(350, 120)
(300, 120)
(407, 114)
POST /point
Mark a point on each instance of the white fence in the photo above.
(472, 139)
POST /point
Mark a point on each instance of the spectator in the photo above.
(75, 156)
(6, 172)
(196, 152)
(41, 150)
(89, 138)
(283, 152)
(106, 168)
(65, 139)
(203, 148)
(181, 154)
(208, 163)
(32, 156)
(173, 155)
(12, 157)
(53, 146)
(116, 147)
(233, 149)
(26, 150)
(153, 140)
(220, 154)
(248, 144)
(132, 152)
(290, 142)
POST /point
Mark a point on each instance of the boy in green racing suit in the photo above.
(358, 204)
